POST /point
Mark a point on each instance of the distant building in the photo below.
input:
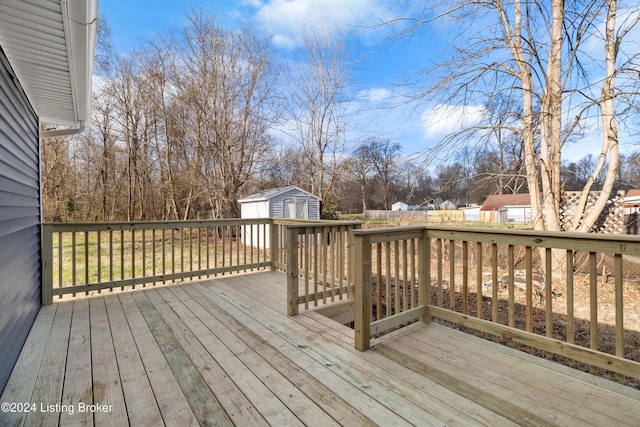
(632, 202)
(447, 205)
(471, 213)
(506, 208)
(401, 206)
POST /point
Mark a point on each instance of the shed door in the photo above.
(295, 208)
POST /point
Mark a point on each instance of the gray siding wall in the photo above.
(20, 274)
(276, 209)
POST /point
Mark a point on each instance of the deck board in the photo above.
(78, 386)
(224, 352)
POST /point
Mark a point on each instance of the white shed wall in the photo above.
(258, 236)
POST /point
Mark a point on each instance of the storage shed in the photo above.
(283, 202)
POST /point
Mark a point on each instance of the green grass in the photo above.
(122, 257)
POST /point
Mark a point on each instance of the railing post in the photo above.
(273, 243)
(351, 262)
(424, 275)
(46, 253)
(362, 303)
(292, 271)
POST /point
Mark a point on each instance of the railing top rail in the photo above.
(390, 234)
(588, 242)
(302, 223)
(149, 225)
(295, 225)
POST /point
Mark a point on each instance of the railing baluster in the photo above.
(494, 283)
(216, 230)
(133, 255)
(111, 255)
(121, 257)
(452, 275)
(396, 280)
(593, 302)
(244, 245)
(237, 239)
(99, 256)
(181, 252)
(153, 254)
(86, 259)
(60, 259)
(529, 289)
(224, 247)
(207, 231)
(144, 256)
(412, 255)
(324, 265)
(74, 263)
(405, 274)
(314, 251)
(387, 289)
(479, 266)
(512, 303)
(465, 277)
(190, 249)
(548, 296)
(440, 273)
(164, 254)
(619, 304)
(343, 259)
(306, 268)
(379, 311)
(570, 309)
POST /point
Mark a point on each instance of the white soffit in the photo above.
(51, 47)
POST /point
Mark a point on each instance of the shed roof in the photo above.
(497, 200)
(273, 192)
(50, 45)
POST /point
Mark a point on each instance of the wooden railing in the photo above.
(79, 258)
(84, 258)
(561, 294)
(318, 255)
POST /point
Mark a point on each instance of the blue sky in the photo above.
(378, 77)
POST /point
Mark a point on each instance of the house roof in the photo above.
(273, 192)
(50, 45)
(497, 200)
(633, 193)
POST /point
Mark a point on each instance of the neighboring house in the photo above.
(46, 63)
(447, 205)
(404, 207)
(506, 208)
(284, 202)
(632, 202)
(401, 206)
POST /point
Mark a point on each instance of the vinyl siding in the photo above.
(276, 208)
(20, 274)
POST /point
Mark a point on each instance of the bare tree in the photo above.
(225, 84)
(318, 114)
(536, 52)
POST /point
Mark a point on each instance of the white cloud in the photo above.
(251, 3)
(376, 95)
(285, 18)
(444, 119)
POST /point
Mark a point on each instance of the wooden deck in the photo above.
(223, 352)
